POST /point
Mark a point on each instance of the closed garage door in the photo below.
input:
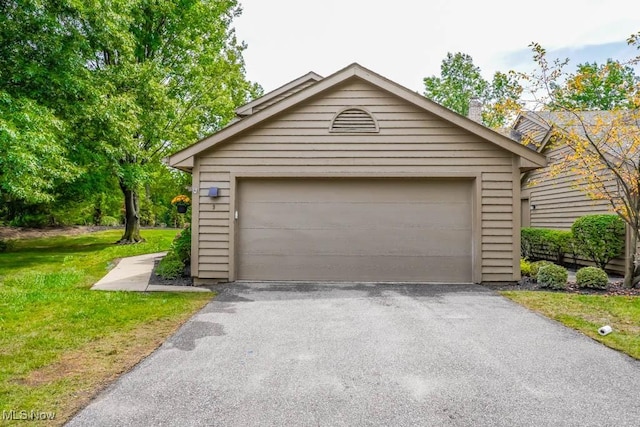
(415, 230)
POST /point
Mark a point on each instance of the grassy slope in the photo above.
(587, 313)
(59, 341)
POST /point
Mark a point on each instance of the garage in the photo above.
(352, 177)
(349, 229)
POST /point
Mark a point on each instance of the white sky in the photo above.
(406, 40)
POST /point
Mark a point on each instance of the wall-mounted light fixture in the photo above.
(213, 192)
(533, 207)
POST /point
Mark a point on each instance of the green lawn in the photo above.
(59, 341)
(587, 313)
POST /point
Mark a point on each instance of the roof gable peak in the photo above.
(184, 158)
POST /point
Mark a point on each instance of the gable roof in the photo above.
(539, 125)
(533, 127)
(184, 159)
(278, 94)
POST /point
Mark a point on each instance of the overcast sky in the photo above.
(406, 40)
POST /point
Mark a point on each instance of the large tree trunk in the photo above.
(632, 273)
(132, 219)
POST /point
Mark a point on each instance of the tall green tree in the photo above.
(33, 157)
(597, 87)
(130, 80)
(41, 74)
(460, 81)
(168, 73)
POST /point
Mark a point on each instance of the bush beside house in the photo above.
(178, 257)
(535, 267)
(599, 237)
(592, 277)
(544, 243)
(525, 268)
(553, 276)
(594, 238)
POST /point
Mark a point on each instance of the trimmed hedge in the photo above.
(553, 276)
(601, 238)
(597, 238)
(592, 277)
(536, 243)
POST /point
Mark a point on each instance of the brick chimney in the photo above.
(475, 110)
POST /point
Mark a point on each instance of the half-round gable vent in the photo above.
(354, 120)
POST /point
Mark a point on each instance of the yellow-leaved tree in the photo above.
(596, 122)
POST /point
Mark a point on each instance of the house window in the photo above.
(354, 120)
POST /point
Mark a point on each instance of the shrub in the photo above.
(545, 243)
(174, 219)
(109, 221)
(4, 245)
(592, 277)
(535, 267)
(31, 220)
(173, 264)
(525, 267)
(170, 267)
(599, 237)
(553, 276)
(181, 246)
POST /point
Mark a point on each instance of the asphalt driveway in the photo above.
(393, 355)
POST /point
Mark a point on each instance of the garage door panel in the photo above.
(355, 229)
(361, 190)
(290, 215)
(353, 242)
(373, 269)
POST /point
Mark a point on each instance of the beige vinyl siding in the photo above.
(558, 201)
(410, 141)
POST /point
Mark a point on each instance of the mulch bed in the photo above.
(10, 233)
(184, 280)
(525, 284)
(614, 288)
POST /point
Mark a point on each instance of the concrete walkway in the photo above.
(133, 273)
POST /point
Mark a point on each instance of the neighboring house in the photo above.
(353, 177)
(555, 202)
